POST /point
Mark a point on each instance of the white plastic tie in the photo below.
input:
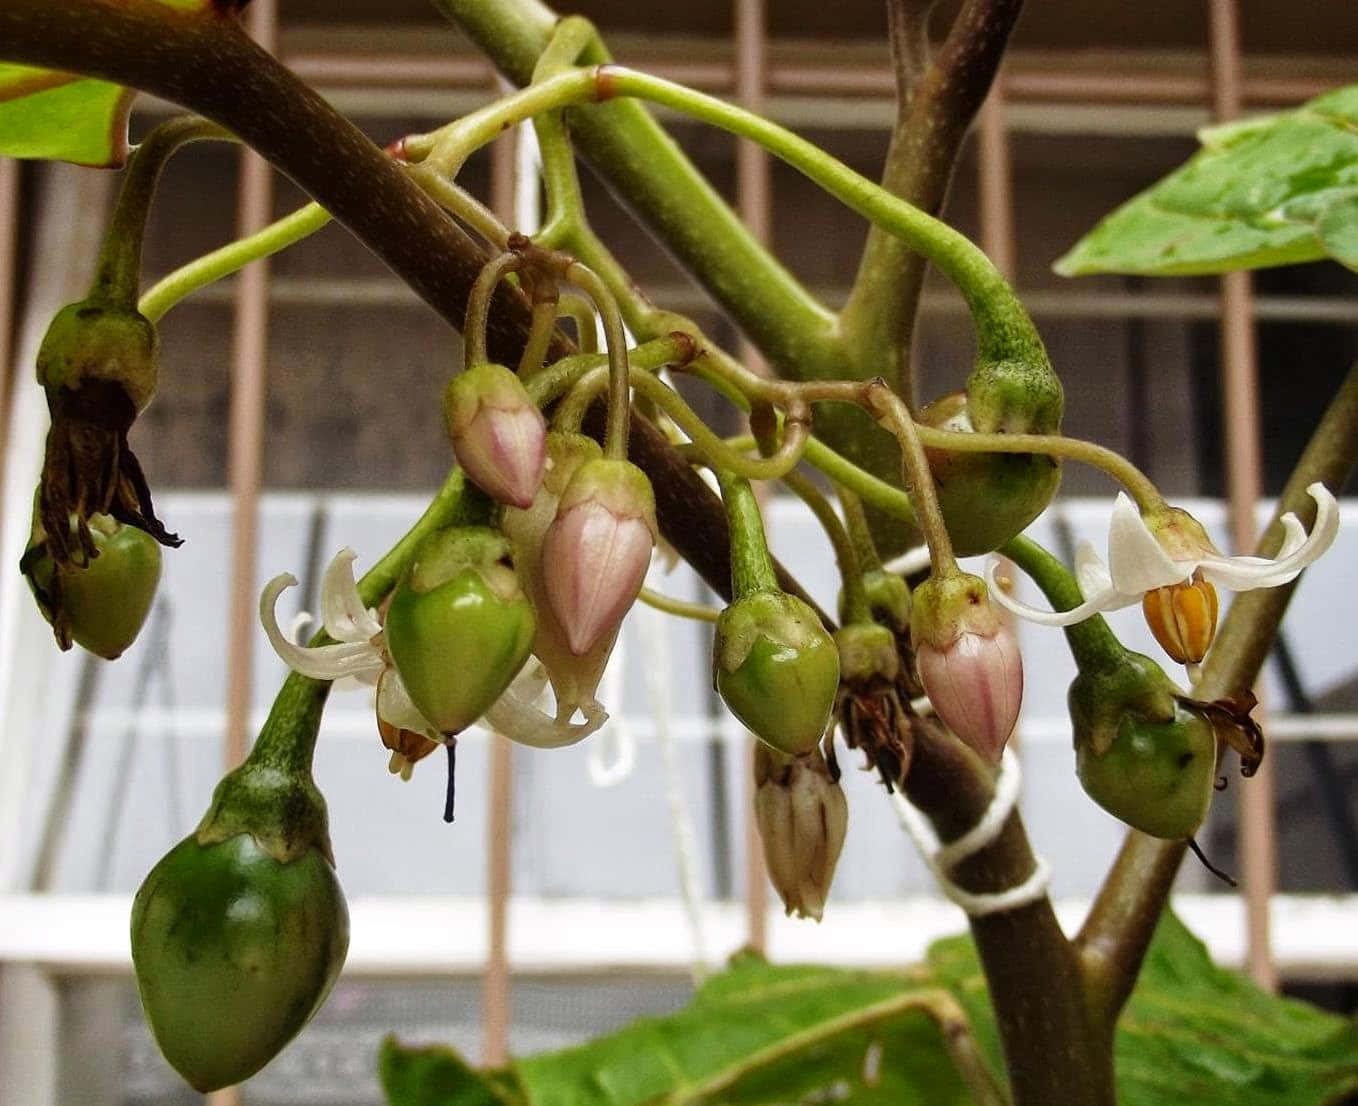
(941, 859)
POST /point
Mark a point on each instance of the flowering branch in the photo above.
(1115, 936)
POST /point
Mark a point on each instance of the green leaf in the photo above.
(1262, 192)
(764, 1035)
(1194, 1032)
(65, 117)
(437, 1076)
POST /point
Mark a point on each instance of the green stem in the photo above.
(539, 335)
(1092, 642)
(935, 107)
(117, 275)
(890, 409)
(713, 449)
(562, 376)
(699, 612)
(1004, 330)
(751, 566)
(615, 337)
(234, 256)
(1141, 487)
(860, 533)
(478, 306)
(640, 160)
(586, 332)
(1113, 941)
(856, 606)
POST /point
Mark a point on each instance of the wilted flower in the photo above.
(802, 817)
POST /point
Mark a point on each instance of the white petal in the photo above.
(1298, 550)
(517, 716)
(324, 662)
(342, 611)
(395, 708)
(1101, 601)
(1137, 561)
(1090, 571)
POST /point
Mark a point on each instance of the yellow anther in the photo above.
(1183, 618)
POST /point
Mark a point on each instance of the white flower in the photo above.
(1141, 559)
(359, 655)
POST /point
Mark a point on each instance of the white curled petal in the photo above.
(1298, 551)
(517, 715)
(1090, 572)
(324, 662)
(1137, 562)
(342, 611)
(395, 708)
(1091, 606)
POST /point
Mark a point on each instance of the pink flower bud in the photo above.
(597, 549)
(802, 817)
(968, 661)
(976, 686)
(499, 435)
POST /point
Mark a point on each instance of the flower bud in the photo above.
(1142, 752)
(459, 626)
(102, 604)
(596, 552)
(986, 498)
(888, 599)
(777, 669)
(1183, 618)
(802, 817)
(498, 433)
(968, 661)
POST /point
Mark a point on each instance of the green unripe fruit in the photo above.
(1157, 776)
(986, 498)
(459, 627)
(100, 605)
(234, 951)
(777, 669)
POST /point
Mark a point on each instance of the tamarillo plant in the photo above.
(571, 464)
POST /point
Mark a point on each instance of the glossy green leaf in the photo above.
(765, 1035)
(1262, 192)
(64, 117)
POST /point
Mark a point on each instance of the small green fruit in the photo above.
(777, 668)
(459, 627)
(234, 951)
(1157, 776)
(100, 605)
(986, 498)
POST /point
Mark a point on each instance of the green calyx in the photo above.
(868, 653)
(96, 343)
(234, 951)
(459, 626)
(986, 498)
(888, 599)
(944, 607)
(272, 796)
(102, 604)
(1015, 397)
(485, 384)
(1142, 752)
(777, 669)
